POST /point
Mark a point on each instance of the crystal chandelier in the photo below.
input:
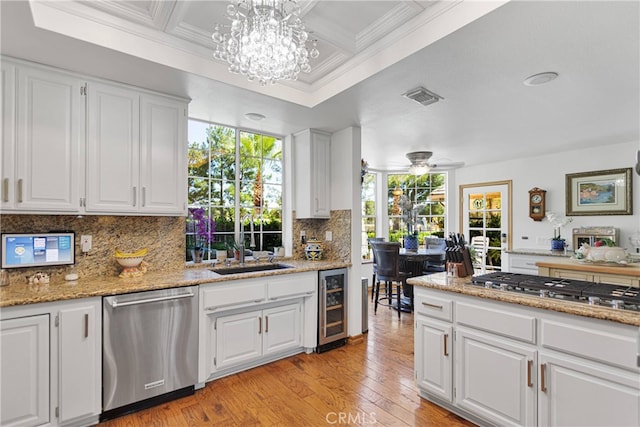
(266, 40)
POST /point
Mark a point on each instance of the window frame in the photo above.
(240, 221)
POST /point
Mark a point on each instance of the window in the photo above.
(427, 192)
(235, 179)
(368, 195)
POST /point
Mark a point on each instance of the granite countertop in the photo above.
(463, 286)
(543, 252)
(632, 269)
(21, 294)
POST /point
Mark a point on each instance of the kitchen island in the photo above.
(603, 272)
(504, 358)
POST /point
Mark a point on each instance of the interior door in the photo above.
(485, 211)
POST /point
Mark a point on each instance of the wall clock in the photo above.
(536, 203)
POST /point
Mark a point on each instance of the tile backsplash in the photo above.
(163, 236)
(339, 223)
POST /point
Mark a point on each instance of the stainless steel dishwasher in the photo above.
(150, 348)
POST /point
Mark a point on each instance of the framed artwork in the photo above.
(605, 192)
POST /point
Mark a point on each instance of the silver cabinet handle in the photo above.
(86, 325)
(135, 196)
(529, 379)
(543, 373)
(444, 339)
(5, 190)
(20, 190)
(144, 196)
(266, 324)
(259, 325)
(439, 307)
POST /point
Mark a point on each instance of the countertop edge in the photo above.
(439, 281)
(23, 294)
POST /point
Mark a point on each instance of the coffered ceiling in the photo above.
(475, 54)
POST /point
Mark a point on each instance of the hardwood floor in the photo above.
(367, 383)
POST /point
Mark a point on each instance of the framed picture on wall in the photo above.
(604, 192)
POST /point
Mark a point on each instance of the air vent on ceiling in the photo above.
(422, 96)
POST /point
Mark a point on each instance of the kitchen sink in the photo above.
(250, 268)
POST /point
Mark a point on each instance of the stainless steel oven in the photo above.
(150, 348)
(332, 309)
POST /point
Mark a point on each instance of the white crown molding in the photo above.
(77, 20)
(395, 18)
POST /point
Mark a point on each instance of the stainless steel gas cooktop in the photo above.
(600, 294)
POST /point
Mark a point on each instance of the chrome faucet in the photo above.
(241, 245)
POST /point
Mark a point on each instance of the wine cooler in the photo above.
(332, 309)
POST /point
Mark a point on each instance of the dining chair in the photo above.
(435, 263)
(480, 245)
(389, 271)
(372, 241)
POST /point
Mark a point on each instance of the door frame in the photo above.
(509, 185)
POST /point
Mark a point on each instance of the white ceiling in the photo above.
(475, 54)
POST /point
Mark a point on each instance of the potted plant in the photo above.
(557, 222)
(200, 231)
(410, 218)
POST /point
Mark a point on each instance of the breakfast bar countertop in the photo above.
(631, 269)
(463, 286)
(21, 293)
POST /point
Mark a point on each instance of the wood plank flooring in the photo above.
(367, 383)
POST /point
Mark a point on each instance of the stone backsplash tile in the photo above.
(339, 223)
(163, 236)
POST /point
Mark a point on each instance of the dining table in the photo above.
(416, 263)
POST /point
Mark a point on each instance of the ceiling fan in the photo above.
(421, 165)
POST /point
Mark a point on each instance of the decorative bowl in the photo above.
(130, 259)
(130, 262)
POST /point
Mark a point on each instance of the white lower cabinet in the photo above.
(514, 365)
(24, 399)
(246, 323)
(51, 363)
(495, 378)
(433, 340)
(575, 392)
(245, 337)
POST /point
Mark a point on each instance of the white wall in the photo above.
(548, 172)
(345, 194)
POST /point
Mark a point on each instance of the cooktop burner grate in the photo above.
(577, 290)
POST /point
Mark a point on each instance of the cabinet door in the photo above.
(24, 348)
(163, 165)
(80, 386)
(8, 135)
(113, 148)
(495, 378)
(281, 329)
(321, 174)
(615, 279)
(433, 357)
(49, 139)
(238, 338)
(574, 392)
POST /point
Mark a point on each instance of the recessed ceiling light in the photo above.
(540, 78)
(255, 116)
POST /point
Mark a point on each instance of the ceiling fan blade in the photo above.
(445, 165)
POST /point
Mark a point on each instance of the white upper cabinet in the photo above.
(8, 129)
(43, 173)
(113, 147)
(136, 152)
(132, 142)
(312, 171)
(163, 164)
